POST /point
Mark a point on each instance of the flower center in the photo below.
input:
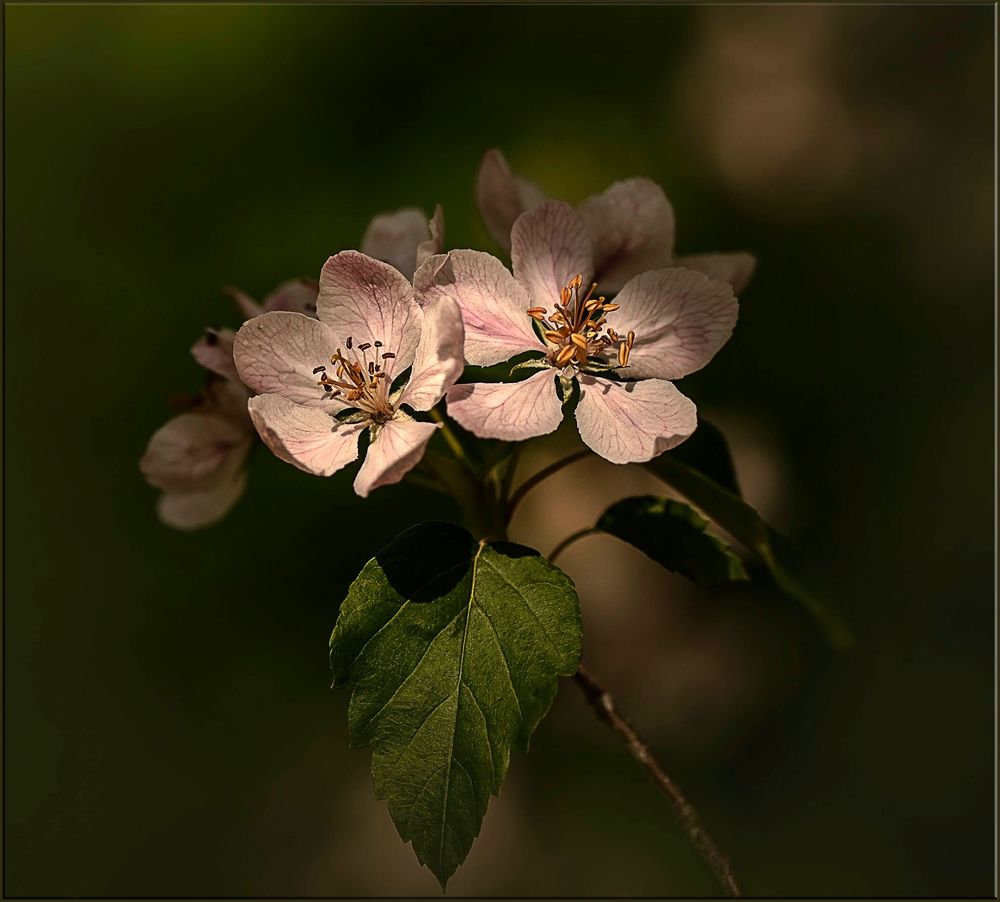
(577, 328)
(362, 383)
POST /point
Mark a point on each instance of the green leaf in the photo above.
(673, 535)
(452, 648)
(708, 452)
(741, 521)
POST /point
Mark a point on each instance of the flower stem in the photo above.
(508, 474)
(450, 437)
(540, 476)
(569, 540)
(604, 706)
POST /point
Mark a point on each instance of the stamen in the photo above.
(364, 347)
(578, 340)
(388, 355)
(565, 355)
(378, 344)
(350, 344)
(319, 369)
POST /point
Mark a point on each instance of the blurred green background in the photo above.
(168, 724)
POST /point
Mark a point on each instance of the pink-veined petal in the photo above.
(294, 296)
(549, 246)
(631, 225)
(434, 244)
(630, 422)
(396, 451)
(276, 354)
(188, 450)
(502, 196)
(394, 238)
(439, 359)
(512, 411)
(680, 318)
(493, 303)
(209, 503)
(736, 268)
(214, 351)
(367, 300)
(304, 436)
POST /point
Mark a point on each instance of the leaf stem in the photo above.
(540, 476)
(604, 706)
(569, 540)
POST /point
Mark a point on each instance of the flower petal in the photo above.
(396, 451)
(735, 268)
(508, 410)
(434, 244)
(247, 305)
(189, 450)
(295, 296)
(549, 246)
(304, 436)
(214, 351)
(629, 422)
(276, 353)
(439, 360)
(206, 505)
(680, 318)
(368, 300)
(394, 238)
(502, 196)
(227, 398)
(632, 228)
(493, 303)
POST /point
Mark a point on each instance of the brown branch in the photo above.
(602, 703)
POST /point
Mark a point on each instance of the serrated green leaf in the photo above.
(741, 521)
(453, 648)
(674, 536)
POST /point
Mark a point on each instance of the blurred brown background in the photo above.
(169, 728)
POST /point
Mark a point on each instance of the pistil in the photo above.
(575, 327)
(361, 382)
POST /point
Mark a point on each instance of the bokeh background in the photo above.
(169, 729)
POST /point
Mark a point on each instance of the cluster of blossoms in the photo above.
(595, 303)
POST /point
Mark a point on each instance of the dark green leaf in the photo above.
(708, 452)
(744, 523)
(453, 648)
(673, 535)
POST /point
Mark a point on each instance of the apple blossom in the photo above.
(631, 226)
(662, 325)
(322, 382)
(198, 458)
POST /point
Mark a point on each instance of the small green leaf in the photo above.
(673, 535)
(535, 363)
(741, 521)
(452, 648)
(708, 452)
